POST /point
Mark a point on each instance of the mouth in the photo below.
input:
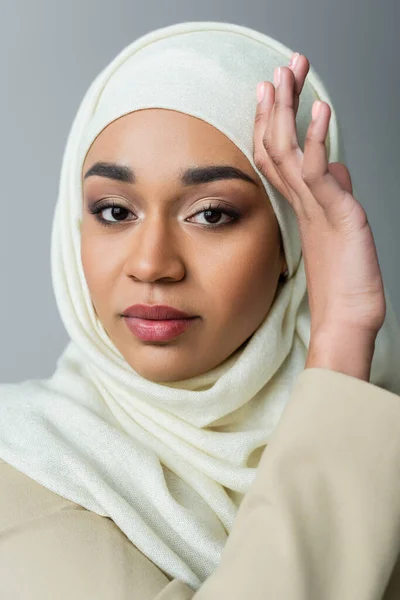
(158, 330)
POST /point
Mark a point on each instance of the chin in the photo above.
(166, 373)
(161, 377)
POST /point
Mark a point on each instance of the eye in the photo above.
(117, 212)
(214, 211)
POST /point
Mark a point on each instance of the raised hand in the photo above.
(344, 279)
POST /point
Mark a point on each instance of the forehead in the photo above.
(164, 137)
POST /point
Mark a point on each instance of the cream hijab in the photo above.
(169, 464)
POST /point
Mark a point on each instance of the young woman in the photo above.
(224, 422)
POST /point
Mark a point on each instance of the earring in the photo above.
(283, 276)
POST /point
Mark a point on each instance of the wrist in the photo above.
(348, 352)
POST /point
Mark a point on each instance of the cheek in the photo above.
(99, 266)
(243, 279)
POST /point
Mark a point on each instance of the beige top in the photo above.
(321, 521)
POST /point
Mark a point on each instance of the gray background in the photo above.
(52, 50)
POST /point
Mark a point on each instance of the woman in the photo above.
(127, 470)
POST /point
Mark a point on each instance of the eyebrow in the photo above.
(192, 176)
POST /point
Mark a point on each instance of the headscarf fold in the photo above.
(169, 463)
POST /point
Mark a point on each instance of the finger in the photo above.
(325, 188)
(261, 132)
(280, 141)
(342, 175)
(263, 113)
(300, 70)
(264, 108)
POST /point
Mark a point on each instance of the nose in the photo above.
(152, 252)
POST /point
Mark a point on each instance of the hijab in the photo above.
(169, 463)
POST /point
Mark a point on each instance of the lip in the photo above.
(157, 330)
(158, 312)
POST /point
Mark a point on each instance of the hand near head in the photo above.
(344, 280)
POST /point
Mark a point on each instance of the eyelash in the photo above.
(97, 209)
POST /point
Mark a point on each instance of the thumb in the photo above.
(341, 173)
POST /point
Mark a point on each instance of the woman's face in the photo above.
(160, 247)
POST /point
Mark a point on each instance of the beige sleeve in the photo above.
(321, 520)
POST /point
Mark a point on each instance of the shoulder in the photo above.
(64, 548)
(23, 499)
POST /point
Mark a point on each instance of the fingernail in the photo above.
(277, 76)
(293, 59)
(260, 90)
(316, 108)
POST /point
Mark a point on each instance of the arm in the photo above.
(321, 520)
(344, 351)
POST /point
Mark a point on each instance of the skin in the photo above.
(344, 280)
(228, 276)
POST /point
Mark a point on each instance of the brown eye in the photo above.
(118, 213)
(212, 215)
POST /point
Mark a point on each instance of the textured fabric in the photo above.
(169, 463)
(321, 521)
